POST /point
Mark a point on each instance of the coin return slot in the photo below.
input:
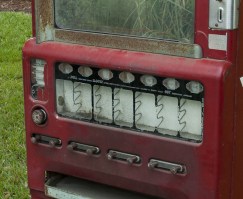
(129, 158)
(167, 166)
(46, 140)
(63, 187)
(88, 149)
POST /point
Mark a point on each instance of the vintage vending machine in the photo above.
(134, 99)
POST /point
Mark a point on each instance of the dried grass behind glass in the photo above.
(167, 19)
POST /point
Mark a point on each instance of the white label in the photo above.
(217, 42)
(241, 80)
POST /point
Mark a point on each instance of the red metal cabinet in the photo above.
(211, 165)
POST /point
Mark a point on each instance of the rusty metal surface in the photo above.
(44, 20)
(129, 43)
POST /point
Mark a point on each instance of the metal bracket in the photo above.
(224, 14)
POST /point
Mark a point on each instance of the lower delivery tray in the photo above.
(66, 187)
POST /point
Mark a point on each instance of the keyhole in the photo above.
(220, 15)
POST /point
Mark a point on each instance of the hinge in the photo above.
(224, 14)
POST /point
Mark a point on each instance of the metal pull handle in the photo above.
(129, 158)
(167, 166)
(46, 140)
(88, 149)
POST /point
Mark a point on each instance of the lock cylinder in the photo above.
(224, 14)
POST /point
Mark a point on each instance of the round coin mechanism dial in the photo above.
(39, 116)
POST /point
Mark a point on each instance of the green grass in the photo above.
(15, 29)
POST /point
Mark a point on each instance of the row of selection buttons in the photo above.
(127, 78)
